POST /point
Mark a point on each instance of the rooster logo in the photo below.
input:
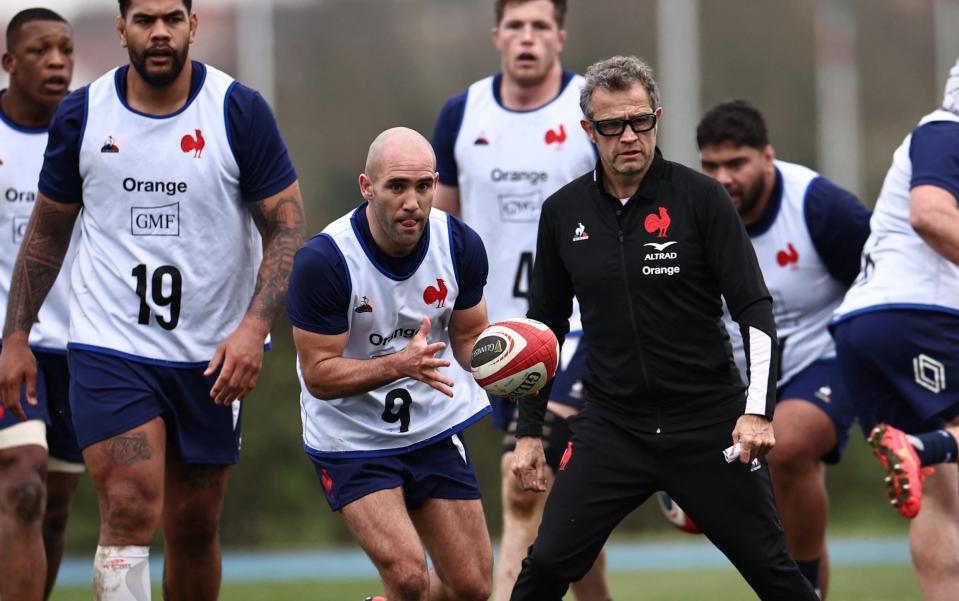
(364, 306)
(556, 136)
(790, 256)
(109, 146)
(580, 233)
(659, 222)
(436, 294)
(188, 143)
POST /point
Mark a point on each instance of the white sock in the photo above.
(121, 574)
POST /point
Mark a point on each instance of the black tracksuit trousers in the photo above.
(612, 471)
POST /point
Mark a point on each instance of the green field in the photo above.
(885, 583)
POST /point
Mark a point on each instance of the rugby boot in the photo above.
(904, 472)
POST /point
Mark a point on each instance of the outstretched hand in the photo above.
(418, 360)
(755, 435)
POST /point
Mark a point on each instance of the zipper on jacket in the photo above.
(632, 320)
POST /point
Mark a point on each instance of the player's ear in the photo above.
(9, 62)
(122, 31)
(769, 153)
(193, 24)
(366, 187)
(588, 128)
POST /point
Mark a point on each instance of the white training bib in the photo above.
(385, 313)
(899, 270)
(509, 162)
(803, 291)
(21, 158)
(168, 256)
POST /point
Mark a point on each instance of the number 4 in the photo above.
(524, 273)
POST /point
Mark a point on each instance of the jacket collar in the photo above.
(648, 188)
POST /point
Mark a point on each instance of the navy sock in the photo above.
(810, 569)
(935, 447)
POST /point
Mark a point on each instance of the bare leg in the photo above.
(804, 434)
(934, 536)
(522, 513)
(381, 525)
(22, 562)
(457, 538)
(191, 527)
(593, 586)
(60, 489)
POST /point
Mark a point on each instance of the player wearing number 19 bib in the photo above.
(191, 215)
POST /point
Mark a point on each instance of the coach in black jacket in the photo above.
(650, 248)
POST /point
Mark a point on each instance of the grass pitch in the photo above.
(879, 583)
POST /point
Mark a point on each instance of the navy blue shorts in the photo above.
(567, 385)
(110, 395)
(442, 470)
(53, 408)
(901, 366)
(822, 385)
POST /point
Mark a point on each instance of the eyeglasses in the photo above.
(616, 127)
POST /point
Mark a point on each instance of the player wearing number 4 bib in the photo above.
(503, 146)
(808, 234)
(191, 215)
(382, 302)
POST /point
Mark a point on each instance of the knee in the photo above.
(408, 579)
(790, 458)
(130, 510)
(477, 586)
(25, 500)
(519, 503)
(193, 529)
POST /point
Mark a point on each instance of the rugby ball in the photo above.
(675, 515)
(514, 357)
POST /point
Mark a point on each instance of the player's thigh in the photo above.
(128, 468)
(804, 434)
(456, 536)
(193, 499)
(380, 523)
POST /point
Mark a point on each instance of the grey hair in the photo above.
(617, 74)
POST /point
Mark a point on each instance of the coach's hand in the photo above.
(241, 356)
(755, 434)
(529, 463)
(418, 360)
(17, 366)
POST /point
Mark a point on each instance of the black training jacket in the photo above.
(649, 277)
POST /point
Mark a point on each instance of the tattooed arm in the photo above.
(38, 264)
(282, 225)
